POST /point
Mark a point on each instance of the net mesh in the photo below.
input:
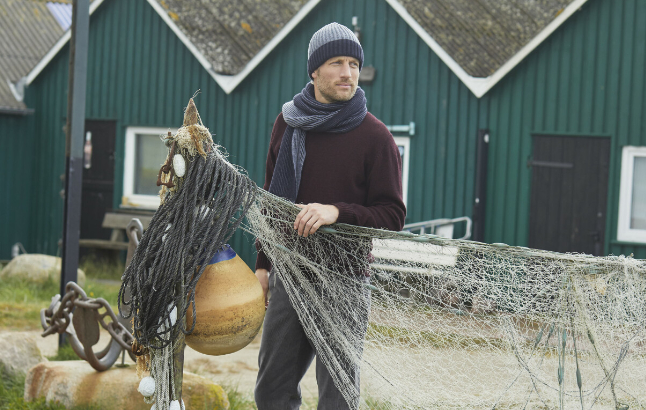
(450, 324)
(431, 322)
(200, 209)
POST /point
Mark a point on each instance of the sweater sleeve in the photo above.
(384, 207)
(262, 262)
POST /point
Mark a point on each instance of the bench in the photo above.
(117, 221)
(400, 264)
(391, 256)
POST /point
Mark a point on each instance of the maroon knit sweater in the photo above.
(359, 172)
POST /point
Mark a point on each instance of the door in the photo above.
(98, 177)
(569, 193)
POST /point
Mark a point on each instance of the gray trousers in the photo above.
(285, 355)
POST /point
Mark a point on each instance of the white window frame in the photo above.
(129, 198)
(624, 232)
(405, 142)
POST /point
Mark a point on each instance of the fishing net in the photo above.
(432, 323)
(201, 207)
(454, 324)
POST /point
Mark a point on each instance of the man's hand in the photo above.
(313, 216)
(263, 278)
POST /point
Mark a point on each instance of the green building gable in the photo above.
(585, 80)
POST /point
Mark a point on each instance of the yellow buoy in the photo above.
(229, 305)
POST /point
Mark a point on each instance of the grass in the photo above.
(64, 353)
(12, 388)
(437, 340)
(98, 268)
(20, 305)
(237, 399)
(21, 300)
(374, 404)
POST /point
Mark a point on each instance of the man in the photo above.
(338, 163)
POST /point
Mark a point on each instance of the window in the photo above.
(632, 196)
(145, 154)
(403, 143)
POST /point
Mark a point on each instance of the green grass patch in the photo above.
(405, 337)
(95, 288)
(375, 404)
(437, 340)
(101, 268)
(64, 353)
(21, 300)
(12, 388)
(238, 400)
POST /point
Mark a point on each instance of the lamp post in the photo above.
(74, 130)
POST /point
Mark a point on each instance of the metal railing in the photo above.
(441, 227)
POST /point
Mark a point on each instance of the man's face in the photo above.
(336, 79)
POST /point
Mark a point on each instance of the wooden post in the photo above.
(178, 366)
(178, 349)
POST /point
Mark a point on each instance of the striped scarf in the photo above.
(304, 113)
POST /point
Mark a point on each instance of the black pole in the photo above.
(482, 159)
(74, 142)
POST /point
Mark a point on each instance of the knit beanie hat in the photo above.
(331, 41)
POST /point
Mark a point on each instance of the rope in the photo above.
(183, 235)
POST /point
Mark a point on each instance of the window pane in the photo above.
(402, 153)
(151, 154)
(638, 210)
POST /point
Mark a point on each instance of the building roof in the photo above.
(482, 35)
(230, 33)
(28, 31)
(479, 40)
(482, 40)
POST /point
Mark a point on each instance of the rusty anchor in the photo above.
(87, 314)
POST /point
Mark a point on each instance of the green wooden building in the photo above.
(547, 97)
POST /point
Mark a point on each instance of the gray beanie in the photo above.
(331, 41)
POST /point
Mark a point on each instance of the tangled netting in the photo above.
(453, 324)
(185, 232)
(431, 322)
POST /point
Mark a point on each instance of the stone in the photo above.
(76, 383)
(37, 268)
(19, 352)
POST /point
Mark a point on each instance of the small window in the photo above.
(145, 154)
(403, 143)
(632, 196)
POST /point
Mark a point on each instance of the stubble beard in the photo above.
(332, 95)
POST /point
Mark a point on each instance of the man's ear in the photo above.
(315, 74)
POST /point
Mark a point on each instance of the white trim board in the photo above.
(624, 232)
(129, 199)
(479, 86)
(56, 48)
(404, 141)
(229, 82)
